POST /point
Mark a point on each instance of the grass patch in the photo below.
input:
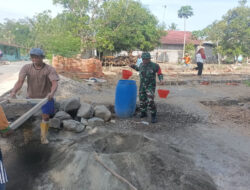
(247, 82)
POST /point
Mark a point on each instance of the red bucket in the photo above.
(163, 93)
(126, 74)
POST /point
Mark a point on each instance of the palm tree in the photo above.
(242, 3)
(172, 26)
(185, 12)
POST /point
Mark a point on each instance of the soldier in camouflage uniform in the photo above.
(148, 71)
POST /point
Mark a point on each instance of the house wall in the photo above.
(10, 53)
(169, 56)
(171, 47)
(210, 56)
(173, 54)
(167, 53)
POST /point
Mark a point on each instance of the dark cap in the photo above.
(37, 51)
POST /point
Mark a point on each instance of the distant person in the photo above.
(187, 59)
(139, 60)
(240, 58)
(148, 71)
(200, 59)
(42, 81)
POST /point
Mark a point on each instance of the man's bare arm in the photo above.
(53, 89)
(17, 87)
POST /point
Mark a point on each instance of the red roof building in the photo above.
(171, 47)
(174, 37)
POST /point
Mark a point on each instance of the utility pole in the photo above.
(163, 20)
(184, 43)
(164, 12)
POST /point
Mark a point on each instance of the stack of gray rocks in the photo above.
(86, 115)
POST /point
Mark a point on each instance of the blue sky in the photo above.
(205, 11)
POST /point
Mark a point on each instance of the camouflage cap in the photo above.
(146, 55)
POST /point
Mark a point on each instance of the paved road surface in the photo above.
(9, 75)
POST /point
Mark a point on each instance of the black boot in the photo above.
(143, 114)
(153, 118)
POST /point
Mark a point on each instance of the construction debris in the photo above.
(119, 61)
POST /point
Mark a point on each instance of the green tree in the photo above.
(242, 2)
(127, 25)
(231, 34)
(16, 32)
(172, 26)
(199, 35)
(64, 41)
(56, 35)
(82, 16)
(215, 33)
(111, 25)
(51, 34)
(190, 49)
(236, 39)
(185, 12)
(41, 29)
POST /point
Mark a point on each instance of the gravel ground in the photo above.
(200, 142)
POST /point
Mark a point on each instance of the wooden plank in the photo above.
(3, 101)
(28, 114)
(25, 101)
(21, 101)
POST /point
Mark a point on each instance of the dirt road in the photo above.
(9, 75)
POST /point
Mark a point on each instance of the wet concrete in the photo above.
(25, 164)
(14, 111)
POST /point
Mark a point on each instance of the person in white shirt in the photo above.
(139, 60)
(200, 59)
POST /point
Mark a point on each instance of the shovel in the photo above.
(39, 103)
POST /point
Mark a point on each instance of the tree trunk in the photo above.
(218, 54)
